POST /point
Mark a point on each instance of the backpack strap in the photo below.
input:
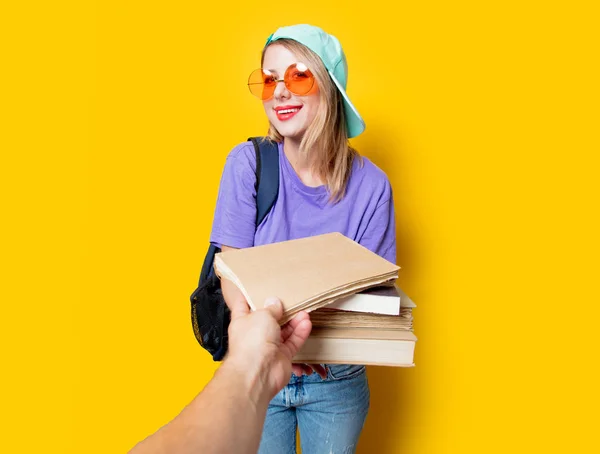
(267, 189)
(267, 175)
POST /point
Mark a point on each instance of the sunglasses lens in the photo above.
(261, 84)
(298, 79)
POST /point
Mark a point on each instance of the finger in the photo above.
(239, 308)
(319, 369)
(300, 369)
(289, 327)
(274, 306)
(296, 339)
(286, 330)
(302, 315)
(307, 369)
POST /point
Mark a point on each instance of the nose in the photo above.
(281, 91)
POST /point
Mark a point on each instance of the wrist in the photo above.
(249, 378)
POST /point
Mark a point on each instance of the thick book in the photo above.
(359, 346)
(306, 273)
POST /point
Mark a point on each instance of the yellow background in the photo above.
(117, 118)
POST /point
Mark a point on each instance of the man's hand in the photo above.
(263, 351)
(228, 415)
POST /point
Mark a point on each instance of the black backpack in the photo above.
(210, 314)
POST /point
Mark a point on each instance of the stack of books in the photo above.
(372, 327)
(359, 315)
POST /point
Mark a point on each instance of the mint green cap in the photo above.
(330, 50)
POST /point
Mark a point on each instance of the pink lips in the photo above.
(283, 112)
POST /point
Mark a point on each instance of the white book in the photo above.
(379, 300)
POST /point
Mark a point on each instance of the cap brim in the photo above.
(354, 122)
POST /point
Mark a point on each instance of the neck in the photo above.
(302, 162)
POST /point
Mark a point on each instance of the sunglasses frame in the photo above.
(286, 82)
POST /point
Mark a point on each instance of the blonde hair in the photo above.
(326, 137)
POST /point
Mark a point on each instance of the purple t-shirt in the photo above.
(365, 214)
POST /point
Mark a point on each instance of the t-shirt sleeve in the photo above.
(234, 223)
(380, 233)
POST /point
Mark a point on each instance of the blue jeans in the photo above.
(329, 413)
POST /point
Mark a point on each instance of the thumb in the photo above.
(274, 306)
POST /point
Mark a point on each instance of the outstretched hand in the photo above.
(258, 345)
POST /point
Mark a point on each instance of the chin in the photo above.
(290, 133)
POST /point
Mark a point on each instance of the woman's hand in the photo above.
(233, 296)
(298, 369)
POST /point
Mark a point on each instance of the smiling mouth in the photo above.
(286, 114)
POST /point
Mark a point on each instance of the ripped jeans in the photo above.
(329, 413)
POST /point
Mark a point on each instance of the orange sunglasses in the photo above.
(298, 79)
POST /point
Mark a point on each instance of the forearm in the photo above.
(227, 417)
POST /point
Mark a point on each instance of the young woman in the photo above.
(325, 186)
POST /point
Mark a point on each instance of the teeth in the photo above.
(288, 111)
